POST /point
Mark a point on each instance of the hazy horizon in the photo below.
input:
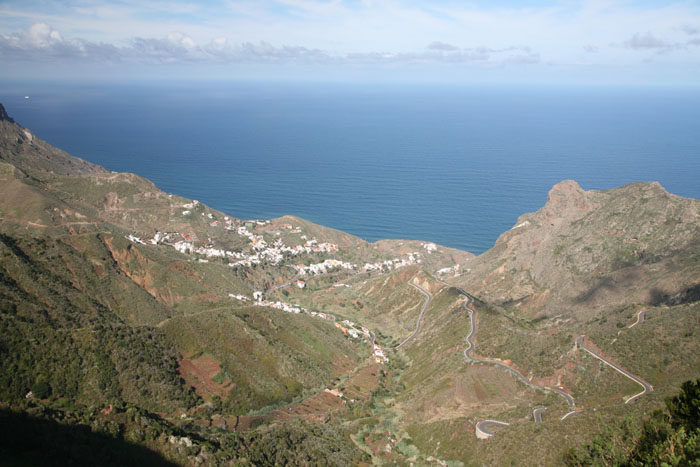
(452, 164)
(597, 42)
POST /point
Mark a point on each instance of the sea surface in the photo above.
(455, 165)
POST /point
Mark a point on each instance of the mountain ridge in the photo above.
(580, 237)
(218, 340)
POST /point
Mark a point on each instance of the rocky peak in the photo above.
(567, 199)
(3, 115)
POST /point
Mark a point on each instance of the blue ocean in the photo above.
(452, 164)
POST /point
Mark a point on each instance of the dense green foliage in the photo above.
(39, 439)
(58, 341)
(108, 332)
(270, 355)
(669, 437)
(296, 443)
(40, 435)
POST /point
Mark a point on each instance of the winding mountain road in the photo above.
(569, 414)
(470, 357)
(537, 413)
(428, 299)
(640, 318)
(646, 387)
(482, 428)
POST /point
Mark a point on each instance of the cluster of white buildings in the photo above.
(379, 355)
(324, 267)
(240, 297)
(134, 239)
(189, 206)
(261, 250)
(351, 329)
(283, 306)
(396, 263)
(451, 270)
(276, 253)
(259, 300)
(321, 315)
(430, 247)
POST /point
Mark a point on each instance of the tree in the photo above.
(685, 407)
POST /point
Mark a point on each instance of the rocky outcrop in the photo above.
(111, 201)
(21, 148)
(567, 201)
(592, 249)
(3, 115)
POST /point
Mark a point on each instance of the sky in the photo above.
(642, 42)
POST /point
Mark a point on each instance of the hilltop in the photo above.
(585, 251)
(134, 317)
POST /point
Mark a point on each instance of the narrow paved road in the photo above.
(537, 414)
(428, 299)
(640, 317)
(569, 414)
(482, 428)
(581, 342)
(470, 357)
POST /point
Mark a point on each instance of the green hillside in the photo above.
(162, 331)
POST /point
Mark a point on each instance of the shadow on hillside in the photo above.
(27, 440)
(609, 283)
(656, 296)
(689, 295)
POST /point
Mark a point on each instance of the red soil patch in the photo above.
(199, 373)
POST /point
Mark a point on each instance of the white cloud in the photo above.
(173, 47)
(598, 34)
(41, 41)
(41, 35)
